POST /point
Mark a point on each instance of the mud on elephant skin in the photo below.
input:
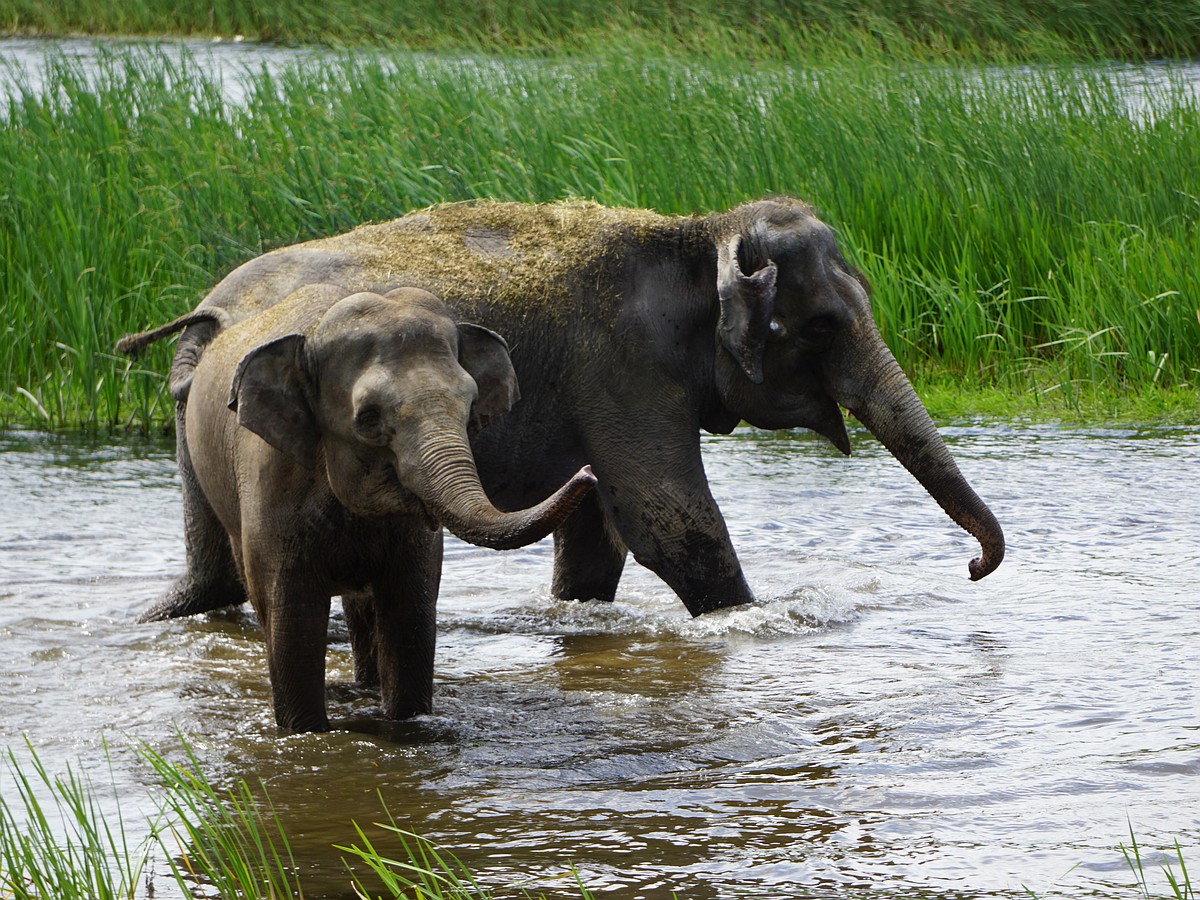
(329, 437)
(630, 332)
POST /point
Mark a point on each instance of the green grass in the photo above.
(776, 29)
(420, 869)
(1179, 882)
(1025, 235)
(56, 843)
(230, 840)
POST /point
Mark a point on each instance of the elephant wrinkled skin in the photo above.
(328, 437)
(630, 332)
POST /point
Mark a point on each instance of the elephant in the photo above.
(631, 332)
(329, 437)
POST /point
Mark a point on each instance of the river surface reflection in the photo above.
(235, 66)
(875, 721)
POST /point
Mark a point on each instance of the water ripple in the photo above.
(874, 722)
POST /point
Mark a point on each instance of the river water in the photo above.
(875, 721)
(24, 62)
(234, 65)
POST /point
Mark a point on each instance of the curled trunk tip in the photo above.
(453, 492)
(507, 531)
(883, 400)
(993, 552)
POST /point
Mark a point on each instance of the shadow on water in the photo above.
(875, 721)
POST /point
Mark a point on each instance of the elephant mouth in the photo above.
(789, 398)
(390, 486)
(378, 492)
(817, 413)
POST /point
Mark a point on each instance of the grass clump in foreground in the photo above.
(774, 29)
(56, 844)
(86, 857)
(1029, 232)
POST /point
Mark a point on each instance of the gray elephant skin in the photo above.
(328, 436)
(630, 332)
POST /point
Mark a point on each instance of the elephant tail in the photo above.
(133, 344)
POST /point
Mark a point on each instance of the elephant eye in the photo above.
(819, 325)
(369, 422)
(818, 332)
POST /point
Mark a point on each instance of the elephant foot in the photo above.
(709, 597)
(604, 592)
(188, 597)
(408, 708)
(302, 723)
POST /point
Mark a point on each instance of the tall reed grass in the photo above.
(1024, 229)
(58, 843)
(781, 29)
(55, 841)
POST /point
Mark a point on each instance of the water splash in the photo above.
(802, 610)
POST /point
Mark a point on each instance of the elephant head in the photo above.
(389, 387)
(796, 339)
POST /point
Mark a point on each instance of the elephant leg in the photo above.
(659, 503)
(210, 580)
(359, 607)
(406, 623)
(296, 662)
(296, 640)
(588, 555)
(293, 609)
(683, 540)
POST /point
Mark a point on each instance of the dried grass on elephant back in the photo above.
(514, 252)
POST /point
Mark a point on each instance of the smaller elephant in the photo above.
(330, 436)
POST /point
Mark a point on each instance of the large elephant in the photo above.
(329, 438)
(630, 332)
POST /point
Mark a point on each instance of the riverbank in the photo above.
(951, 400)
(780, 30)
(1027, 230)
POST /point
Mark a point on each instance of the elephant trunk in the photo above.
(453, 492)
(884, 401)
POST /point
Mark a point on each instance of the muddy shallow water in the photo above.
(876, 720)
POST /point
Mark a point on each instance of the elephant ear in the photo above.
(268, 395)
(747, 304)
(484, 354)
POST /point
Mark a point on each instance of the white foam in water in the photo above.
(804, 610)
(800, 611)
